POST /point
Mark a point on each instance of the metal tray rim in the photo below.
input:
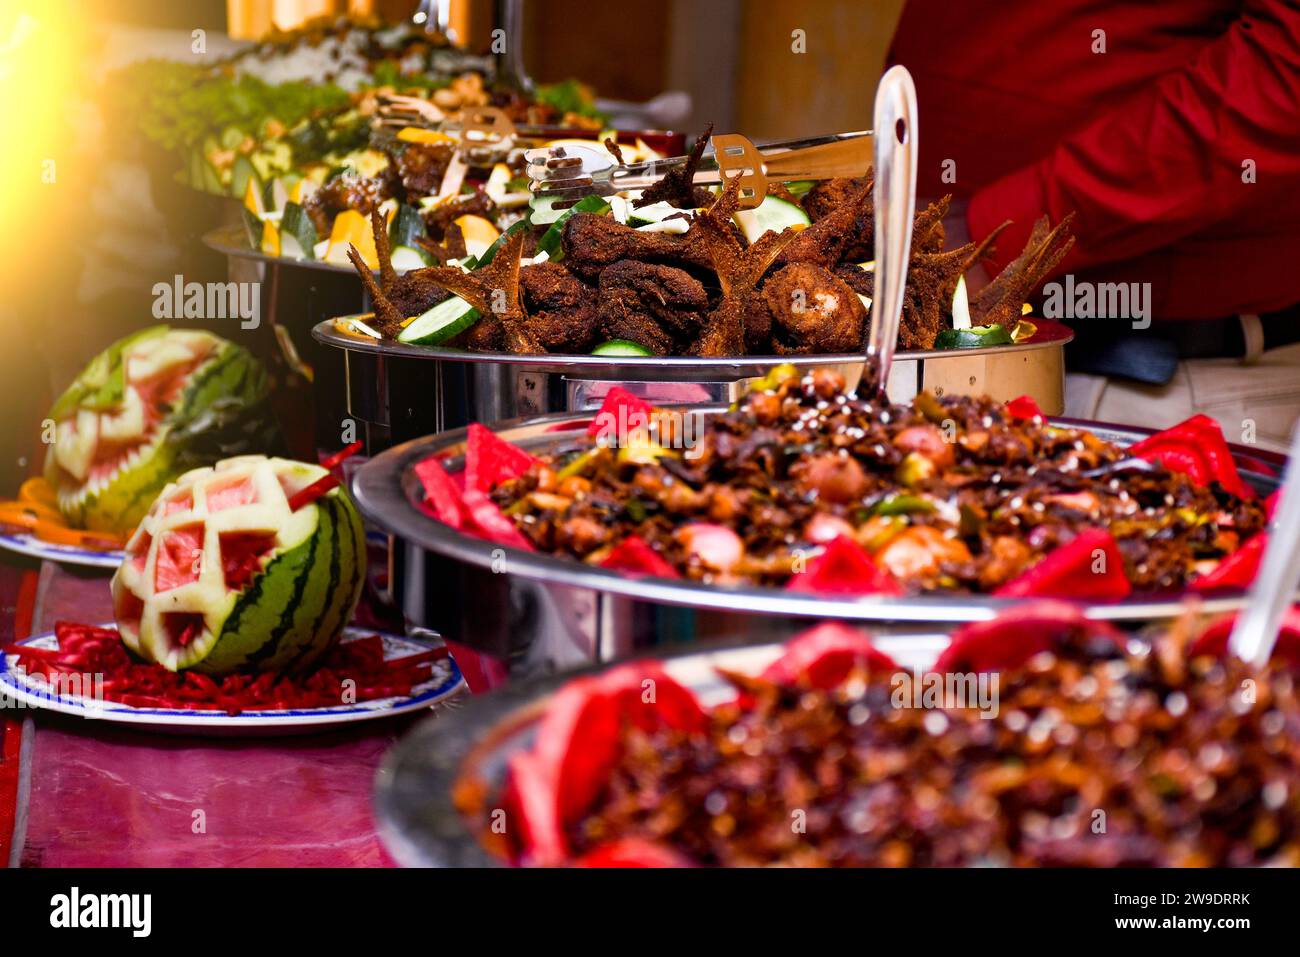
(1051, 335)
(381, 489)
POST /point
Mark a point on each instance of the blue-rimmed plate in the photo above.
(19, 689)
(25, 543)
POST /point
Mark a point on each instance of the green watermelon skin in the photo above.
(296, 608)
(284, 613)
(223, 411)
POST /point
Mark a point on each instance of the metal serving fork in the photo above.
(572, 172)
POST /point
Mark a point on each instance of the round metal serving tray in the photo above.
(403, 391)
(418, 821)
(537, 612)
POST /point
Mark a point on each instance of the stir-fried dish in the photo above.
(1095, 750)
(804, 486)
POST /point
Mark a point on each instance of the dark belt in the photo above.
(1114, 348)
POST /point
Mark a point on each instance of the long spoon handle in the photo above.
(1255, 631)
(895, 207)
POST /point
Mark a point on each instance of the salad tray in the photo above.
(405, 391)
(535, 612)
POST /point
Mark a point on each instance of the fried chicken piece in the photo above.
(593, 242)
(825, 242)
(813, 310)
(659, 307)
(927, 227)
(494, 291)
(562, 312)
(347, 191)
(999, 302)
(451, 247)
(678, 188)
(739, 269)
(829, 195)
(388, 321)
(418, 168)
(439, 218)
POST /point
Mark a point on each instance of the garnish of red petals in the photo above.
(1214, 640)
(844, 568)
(1024, 407)
(1016, 635)
(87, 650)
(1069, 571)
(326, 483)
(441, 493)
(491, 460)
(578, 740)
(634, 556)
(1197, 448)
(633, 852)
(1237, 570)
(620, 410)
(824, 656)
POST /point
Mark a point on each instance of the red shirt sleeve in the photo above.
(1167, 162)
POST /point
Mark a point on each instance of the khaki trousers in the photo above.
(1257, 401)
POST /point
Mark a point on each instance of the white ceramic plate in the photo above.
(28, 544)
(20, 689)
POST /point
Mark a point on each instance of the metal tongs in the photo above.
(570, 172)
(1256, 629)
(894, 197)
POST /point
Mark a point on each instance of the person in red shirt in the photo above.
(1172, 131)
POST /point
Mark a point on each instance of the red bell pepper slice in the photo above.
(441, 493)
(491, 460)
(634, 556)
(1024, 407)
(579, 740)
(529, 800)
(1196, 447)
(633, 852)
(1237, 570)
(1016, 635)
(620, 413)
(1214, 639)
(492, 522)
(824, 656)
(1069, 571)
(844, 568)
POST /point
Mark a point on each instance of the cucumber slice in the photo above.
(621, 347)
(275, 194)
(542, 211)
(297, 233)
(444, 321)
(406, 258)
(253, 227)
(976, 337)
(406, 227)
(240, 174)
(773, 214)
(490, 253)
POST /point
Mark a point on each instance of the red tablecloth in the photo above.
(99, 796)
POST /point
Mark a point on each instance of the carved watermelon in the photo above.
(223, 576)
(145, 410)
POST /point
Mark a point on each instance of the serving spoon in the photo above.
(1255, 632)
(894, 195)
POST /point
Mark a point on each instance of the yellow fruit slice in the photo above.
(479, 233)
(350, 227)
(414, 134)
(253, 198)
(270, 238)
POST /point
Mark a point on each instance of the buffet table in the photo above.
(92, 795)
